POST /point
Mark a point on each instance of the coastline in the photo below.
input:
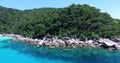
(67, 42)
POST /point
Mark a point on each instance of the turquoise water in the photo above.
(18, 52)
(4, 38)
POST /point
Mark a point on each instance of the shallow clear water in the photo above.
(18, 52)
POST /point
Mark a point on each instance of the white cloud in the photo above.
(119, 17)
(91, 5)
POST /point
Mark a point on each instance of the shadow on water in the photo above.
(77, 55)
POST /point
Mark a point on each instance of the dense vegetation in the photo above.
(74, 21)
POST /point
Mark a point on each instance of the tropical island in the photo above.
(72, 26)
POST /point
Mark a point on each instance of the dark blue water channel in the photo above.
(19, 52)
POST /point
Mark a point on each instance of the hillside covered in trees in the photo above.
(74, 21)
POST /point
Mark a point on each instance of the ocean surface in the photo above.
(19, 52)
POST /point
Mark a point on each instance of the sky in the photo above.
(110, 6)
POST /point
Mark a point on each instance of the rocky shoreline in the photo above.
(53, 42)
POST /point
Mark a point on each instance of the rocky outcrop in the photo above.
(117, 46)
(107, 42)
(53, 42)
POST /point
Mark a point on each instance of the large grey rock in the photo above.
(60, 41)
(116, 39)
(89, 41)
(107, 42)
(117, 46)
(41, 42)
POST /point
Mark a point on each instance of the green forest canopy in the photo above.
(74, 21)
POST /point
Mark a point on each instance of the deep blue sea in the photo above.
(19, 52)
